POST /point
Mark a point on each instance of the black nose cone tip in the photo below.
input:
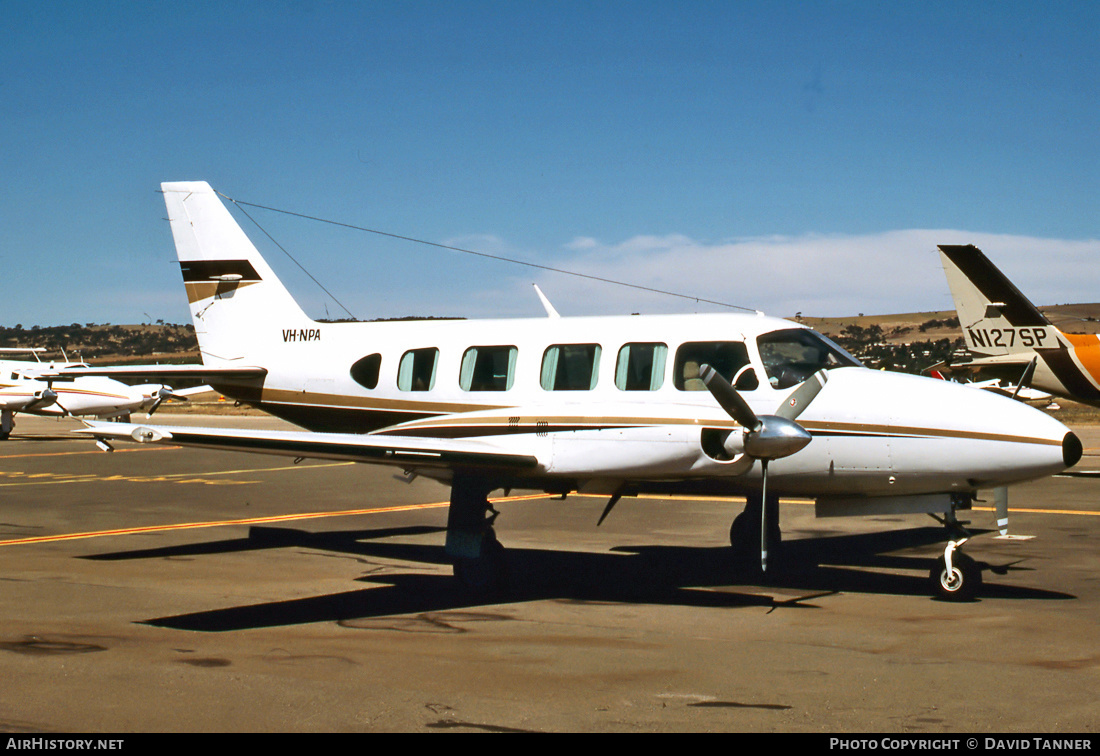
(1071, 449)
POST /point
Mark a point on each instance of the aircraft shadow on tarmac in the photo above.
(708, 576)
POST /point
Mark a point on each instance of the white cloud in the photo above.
(897, 271)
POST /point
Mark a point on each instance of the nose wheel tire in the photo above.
(960, 583)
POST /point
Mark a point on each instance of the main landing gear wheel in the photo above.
(472, 545)
(487, 573)
(961, 582)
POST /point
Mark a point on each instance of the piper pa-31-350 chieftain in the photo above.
(621, 406)
(33, 387)
(1008, 336)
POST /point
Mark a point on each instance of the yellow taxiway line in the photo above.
(218, 523)
(47, 479)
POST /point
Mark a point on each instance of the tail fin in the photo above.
(237, 303)
(996, 319)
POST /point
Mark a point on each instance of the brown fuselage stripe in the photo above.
(443, 427)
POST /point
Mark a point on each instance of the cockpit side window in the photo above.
(729, 358)
(792, 355)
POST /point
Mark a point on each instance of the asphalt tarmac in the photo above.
(159, 589)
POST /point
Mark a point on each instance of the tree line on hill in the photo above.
(871, 346)
(92, 340)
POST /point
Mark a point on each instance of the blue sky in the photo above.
(785, 156)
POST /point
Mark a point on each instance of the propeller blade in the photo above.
(607, 509)
(801, 397)
(764, 516)
(164, 394)
(728, 398)
(48, 397)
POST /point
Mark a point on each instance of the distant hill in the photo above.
(107, 344)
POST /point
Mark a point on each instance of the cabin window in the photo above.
(488, 368)
(570, 367)
(416, 372)
(365, 371)
(729, 358)
(792, 355)
(641, 367)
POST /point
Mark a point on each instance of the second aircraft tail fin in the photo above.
(995, 318)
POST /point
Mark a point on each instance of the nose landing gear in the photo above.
(956, 577)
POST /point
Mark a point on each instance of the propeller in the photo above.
(163, 394)
(43, 398)
(766, 437)
(47, 397)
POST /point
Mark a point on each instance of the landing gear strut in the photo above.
(7, 422)
(955, 576)
(472, 545)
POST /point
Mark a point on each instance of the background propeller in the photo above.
(46, 398)
(43, 398)
(766, 437)
(163, 394)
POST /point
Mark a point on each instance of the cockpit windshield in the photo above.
(792, 355)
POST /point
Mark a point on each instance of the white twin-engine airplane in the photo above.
(30, 387)
(622, 406)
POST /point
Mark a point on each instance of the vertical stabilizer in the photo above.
(237, 303)
(996, 319)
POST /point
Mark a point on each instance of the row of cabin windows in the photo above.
(570, 367)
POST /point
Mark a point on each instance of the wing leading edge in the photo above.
(387, 450)
(203, 373)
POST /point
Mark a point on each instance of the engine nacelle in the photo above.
(722, 444)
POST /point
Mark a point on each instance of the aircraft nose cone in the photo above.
(1071, 449)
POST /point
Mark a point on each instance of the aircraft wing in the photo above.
(167, 373)
(1002, 361)
(404, 452)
